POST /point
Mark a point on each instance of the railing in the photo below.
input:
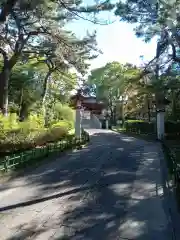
(172, 164)
(17, 159)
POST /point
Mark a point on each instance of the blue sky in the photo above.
(116, 40)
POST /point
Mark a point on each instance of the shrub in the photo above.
(51, 135)
(15, 135)
(8, 122)
(63, 112)
(139, 126)
(66, 124)
(172, 127)
(34, 121)
(18, 140)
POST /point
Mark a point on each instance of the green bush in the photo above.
(139, 126)
(34, 121)
(18, 136)
(63, 112)
(19, 140)
(66, 124)
(172, 128)
(51, 135)
(58, 113)
(8, 122)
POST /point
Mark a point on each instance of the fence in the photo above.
(174, 168)
(17, 159)
(172, 163)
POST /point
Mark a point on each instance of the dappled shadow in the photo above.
(94, 193)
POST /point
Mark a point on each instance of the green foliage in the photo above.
(63, 112)
(32, 122)
(108, 80)
(139, 126)
(8, 122)
(134, 121)
(15, 135)
(41, 42)
(154, 18)
(172, 128)
(53, 134)
(67, 125)
(112, 81)
(59, 112)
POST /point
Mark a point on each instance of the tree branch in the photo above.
(174, 56)
(74, 11)
(5, 56)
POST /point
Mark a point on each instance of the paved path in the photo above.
(110, 190)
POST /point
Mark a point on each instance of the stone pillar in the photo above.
(160, 125)
(107, 125)
(160, 115)
(78, 123)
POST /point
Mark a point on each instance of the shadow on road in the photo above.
(97, 184)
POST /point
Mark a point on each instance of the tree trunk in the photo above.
(23, 113)
(6, 9)
(44, 95)
(4, 82)
(45, 87)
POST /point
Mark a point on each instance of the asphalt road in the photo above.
(111, 189)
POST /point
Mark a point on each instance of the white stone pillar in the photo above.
(107, 125)
(78, 123)
(160, 125)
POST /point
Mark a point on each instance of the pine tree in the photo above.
(29, 23)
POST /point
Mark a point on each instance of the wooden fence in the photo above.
(14, 160)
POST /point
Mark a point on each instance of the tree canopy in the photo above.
(37, 30)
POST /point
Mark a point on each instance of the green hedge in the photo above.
(139, 126)
(172, 129)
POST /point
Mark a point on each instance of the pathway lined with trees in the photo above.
(113, 187)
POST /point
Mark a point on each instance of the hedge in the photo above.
(139, 126)
(144, 127)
